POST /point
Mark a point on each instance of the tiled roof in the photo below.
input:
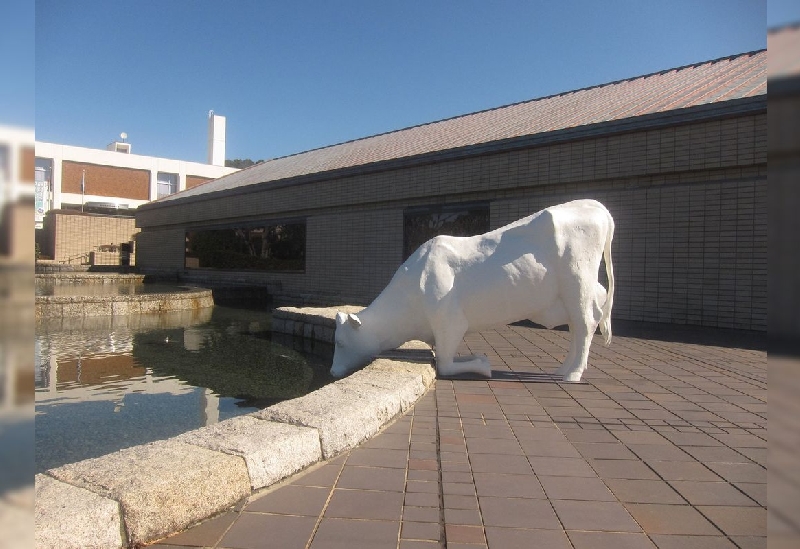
(734, 77)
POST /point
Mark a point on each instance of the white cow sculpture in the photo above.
(543, 267)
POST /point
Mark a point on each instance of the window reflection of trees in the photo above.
(265, 248)
(422, 224)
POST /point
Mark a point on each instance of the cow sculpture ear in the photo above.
(354, 320)
(340, 318)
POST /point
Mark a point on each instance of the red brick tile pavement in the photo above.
(663, 446)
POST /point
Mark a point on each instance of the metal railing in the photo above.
(83, 257)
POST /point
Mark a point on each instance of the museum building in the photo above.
(679, 157)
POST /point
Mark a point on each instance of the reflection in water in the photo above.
(109, 383)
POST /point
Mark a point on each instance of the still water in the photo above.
(107, 383)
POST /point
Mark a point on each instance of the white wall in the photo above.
(153, 164)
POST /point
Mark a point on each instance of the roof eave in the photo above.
(706, 112)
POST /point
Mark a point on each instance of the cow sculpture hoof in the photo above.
(475, 365)
(573, 377)
(568, 369)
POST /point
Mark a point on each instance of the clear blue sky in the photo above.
(17, 62)
(295, 75)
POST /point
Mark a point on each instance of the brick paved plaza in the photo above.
(663, 445)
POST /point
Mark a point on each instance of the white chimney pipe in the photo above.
(216, 139)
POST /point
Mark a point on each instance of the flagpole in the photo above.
(83, 188)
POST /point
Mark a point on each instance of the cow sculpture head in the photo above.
(355, 345)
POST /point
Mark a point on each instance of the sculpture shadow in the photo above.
(511, 376)
(695, 335)
(424, 356)
(678, 333)
(529, 377)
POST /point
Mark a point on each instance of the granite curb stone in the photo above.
(163, 486)
(60, 276)
(272, 451)
(69, 517)
(345, 413)
(310, 322)
(104, 305)
(404, 381)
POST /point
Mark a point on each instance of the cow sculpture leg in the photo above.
(584, 316)
(581, 340)
(448, 335)
(569, 361)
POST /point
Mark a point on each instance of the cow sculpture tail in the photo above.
(605, 320)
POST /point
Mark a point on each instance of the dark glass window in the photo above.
(423, 223)
(278, 247)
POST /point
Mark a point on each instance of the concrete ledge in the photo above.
(272, 451)
(121, 305)
(343, 414)
(353, 409)
(406, 381)
(44, 266)
(70, 276)
(109, 323)
(161, 488)
(74, 518)
(310, 322)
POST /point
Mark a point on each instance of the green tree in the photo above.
(241, 163)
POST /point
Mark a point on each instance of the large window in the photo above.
(276, 247)
(423, 223)
(167, 184)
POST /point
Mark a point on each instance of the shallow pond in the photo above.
(107, 383)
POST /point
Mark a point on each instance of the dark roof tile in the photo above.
(734, 77)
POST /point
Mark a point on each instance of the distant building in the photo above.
(112, 182)
(679, 157)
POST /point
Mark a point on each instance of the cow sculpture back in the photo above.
(543, 267)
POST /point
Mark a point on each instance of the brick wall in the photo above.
(687, 253)
(689, 203)
(70, 236)
(353, 254)
(106, 180)
(164, 249)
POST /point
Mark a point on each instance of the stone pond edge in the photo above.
(106, 305)
(145, 493)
